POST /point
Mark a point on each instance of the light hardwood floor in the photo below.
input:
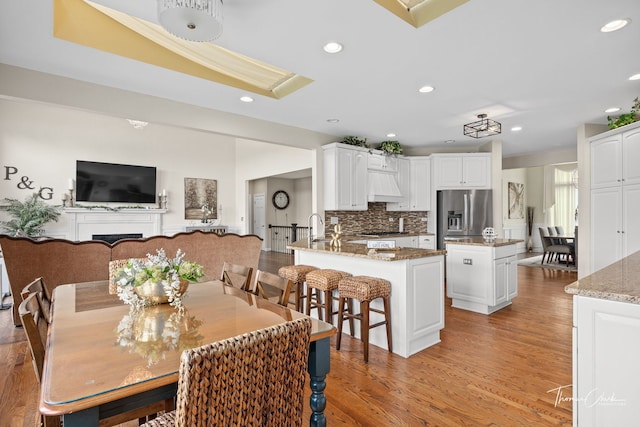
(497, 370)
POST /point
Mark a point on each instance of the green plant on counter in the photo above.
(625, 119)
(391, 147)
(354, 140)
(28, 217)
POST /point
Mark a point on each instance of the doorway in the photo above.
(258, 215)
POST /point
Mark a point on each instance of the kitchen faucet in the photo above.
(311, 226)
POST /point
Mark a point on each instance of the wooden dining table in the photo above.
(103, 359)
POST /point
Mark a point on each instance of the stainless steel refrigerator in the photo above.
(463, 213)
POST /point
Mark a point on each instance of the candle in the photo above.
(70, 187)
(164, 192)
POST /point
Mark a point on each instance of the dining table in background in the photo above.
(103, 359)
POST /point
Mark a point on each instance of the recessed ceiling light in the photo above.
(450, 141)
(332, 47)
(426, 89)
(391, 135)
(333, 120)
(612, 110)
(615, 25)
(635, 77)
(516, 129)
(246, 99)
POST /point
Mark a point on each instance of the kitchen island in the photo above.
(482, 276)
(417, 288)
(606, 326)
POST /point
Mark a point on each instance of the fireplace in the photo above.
(86, 224)
(112, 238)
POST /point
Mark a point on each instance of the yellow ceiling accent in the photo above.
(419, 12)
(94, 25)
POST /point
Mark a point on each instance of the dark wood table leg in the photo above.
(319, 361)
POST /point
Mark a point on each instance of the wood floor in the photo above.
(497, 370)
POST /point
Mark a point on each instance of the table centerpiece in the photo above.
(156, 280)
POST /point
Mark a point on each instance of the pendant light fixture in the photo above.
(483, 127)
(194, 20)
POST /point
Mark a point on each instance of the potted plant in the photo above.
(625, 119)
(354, 140)
(29, 217)
(391, 147)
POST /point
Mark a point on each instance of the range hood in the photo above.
(383, 187)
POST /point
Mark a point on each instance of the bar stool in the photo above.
(320, 286)
(298, 275)
(364, 289)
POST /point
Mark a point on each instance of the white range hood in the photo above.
(383, 187)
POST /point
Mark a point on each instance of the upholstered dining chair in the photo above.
(270, 286)
(238, 276)
(255, 379)
(550, 249)
(37, 287)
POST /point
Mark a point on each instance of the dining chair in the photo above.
(255, 379)
(238, 276)
(37, 287)
(114, 266)
(550, 249)
(36, 327)
(270, 286)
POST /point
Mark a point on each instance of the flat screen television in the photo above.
(110, 182)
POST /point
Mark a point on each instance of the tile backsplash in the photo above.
(376, 218)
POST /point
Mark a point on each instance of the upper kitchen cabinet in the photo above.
(414, 180)
(615, 158)
(453, 171)
(382, 162)
(345, 177)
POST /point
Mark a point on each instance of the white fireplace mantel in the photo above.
(87, 222)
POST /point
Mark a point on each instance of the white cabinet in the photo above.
(427, 241)
(615, 159)
(382, 162)
(414, 180)
(615, 197)
(481, 278)
(452, 171)
(605, 390)
(345, 177)
(420, 184)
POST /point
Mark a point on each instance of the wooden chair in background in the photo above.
(36, 327)
(37, 287)
(255, 379)
(269, 286)
(238, 276)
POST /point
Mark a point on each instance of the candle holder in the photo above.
(71, 201)
(163, 201)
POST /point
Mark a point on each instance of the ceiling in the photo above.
(544, 66)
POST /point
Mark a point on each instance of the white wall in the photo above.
(44, 141)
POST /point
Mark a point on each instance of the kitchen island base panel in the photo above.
(478, 307)
(417, 296)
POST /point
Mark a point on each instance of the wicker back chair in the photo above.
(254, 379)
(37, 287)
(268, 286)
(238, 276)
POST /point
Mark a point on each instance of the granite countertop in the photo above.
(360, 250)
(619, 281)
(479, 241)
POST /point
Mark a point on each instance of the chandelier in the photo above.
(194, 20)
(483, 127)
